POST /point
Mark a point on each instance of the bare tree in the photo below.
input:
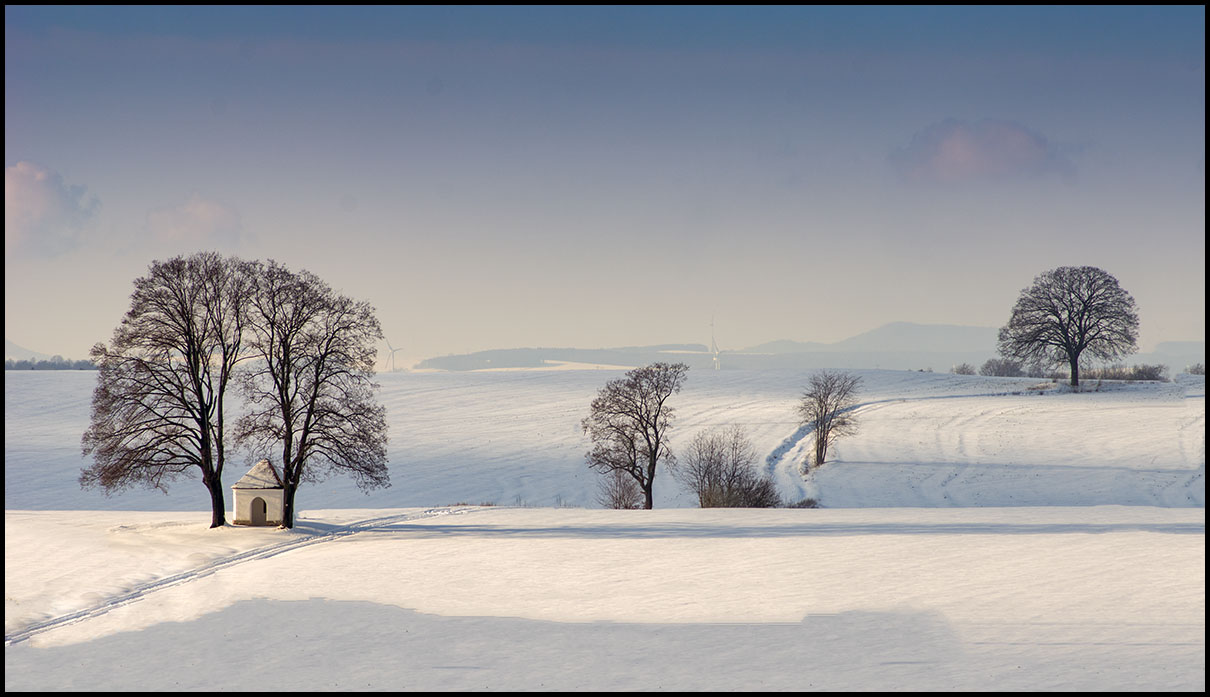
(720, 468)
(827, 406)
(309, 391)
(629, 420)
(963, 369)
(1069, 312)
(158, 406)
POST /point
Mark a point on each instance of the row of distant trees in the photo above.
(53, 363)
(1004, 367)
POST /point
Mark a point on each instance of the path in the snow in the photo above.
(787, 471)
(143, 590)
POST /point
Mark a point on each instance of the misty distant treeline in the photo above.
(53, 363)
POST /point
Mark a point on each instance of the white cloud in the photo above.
(198, 223)
(43, 216)
(955, 151)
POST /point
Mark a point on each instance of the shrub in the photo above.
(721, 469)
(1002, 367)
(1149, 372)
(1119, 371)
(619, 490)
(963, 369)
(1196, 369)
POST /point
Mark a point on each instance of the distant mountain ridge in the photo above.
(898, 336)
(893, 346)
(543, 357)
(898, 345)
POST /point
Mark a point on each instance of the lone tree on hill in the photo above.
(158, 406)
(629, 420)
(309, 389)
(827, 406)
(1067, 312)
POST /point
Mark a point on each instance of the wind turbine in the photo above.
(391, 358)
(713, 346)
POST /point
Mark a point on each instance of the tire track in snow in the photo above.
(790, 471)
(142, 590)
(774, 459)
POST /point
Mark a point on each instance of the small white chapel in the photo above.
(260, 498)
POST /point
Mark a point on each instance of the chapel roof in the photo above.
(262, 476)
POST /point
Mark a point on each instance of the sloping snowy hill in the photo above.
(514, 438)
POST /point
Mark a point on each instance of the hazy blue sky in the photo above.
(591, 177)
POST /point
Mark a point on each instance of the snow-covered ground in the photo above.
(514, 438)
(979, 533)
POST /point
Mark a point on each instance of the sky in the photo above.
(598, 177)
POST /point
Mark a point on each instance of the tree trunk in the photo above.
(288, 506)
(1075, 371)
(649, 485)
(218, 503)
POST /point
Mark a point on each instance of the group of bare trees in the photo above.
(302, 357)
(1067, 313)
(201, 327)
(720, 468)
(629, 423)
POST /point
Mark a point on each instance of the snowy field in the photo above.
(978, 534)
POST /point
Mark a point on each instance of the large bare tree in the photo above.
(827, 406)
(629, 420)
(158, 409)
(309, 390)
(1067, 313)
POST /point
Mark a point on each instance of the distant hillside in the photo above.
(787, 346)
(898, 346)
(897, 337)
(20, 358)
(1177, 355)
(894, 346)
(1182, 348)
(20, 353)
(906, 336)
(695, 355)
